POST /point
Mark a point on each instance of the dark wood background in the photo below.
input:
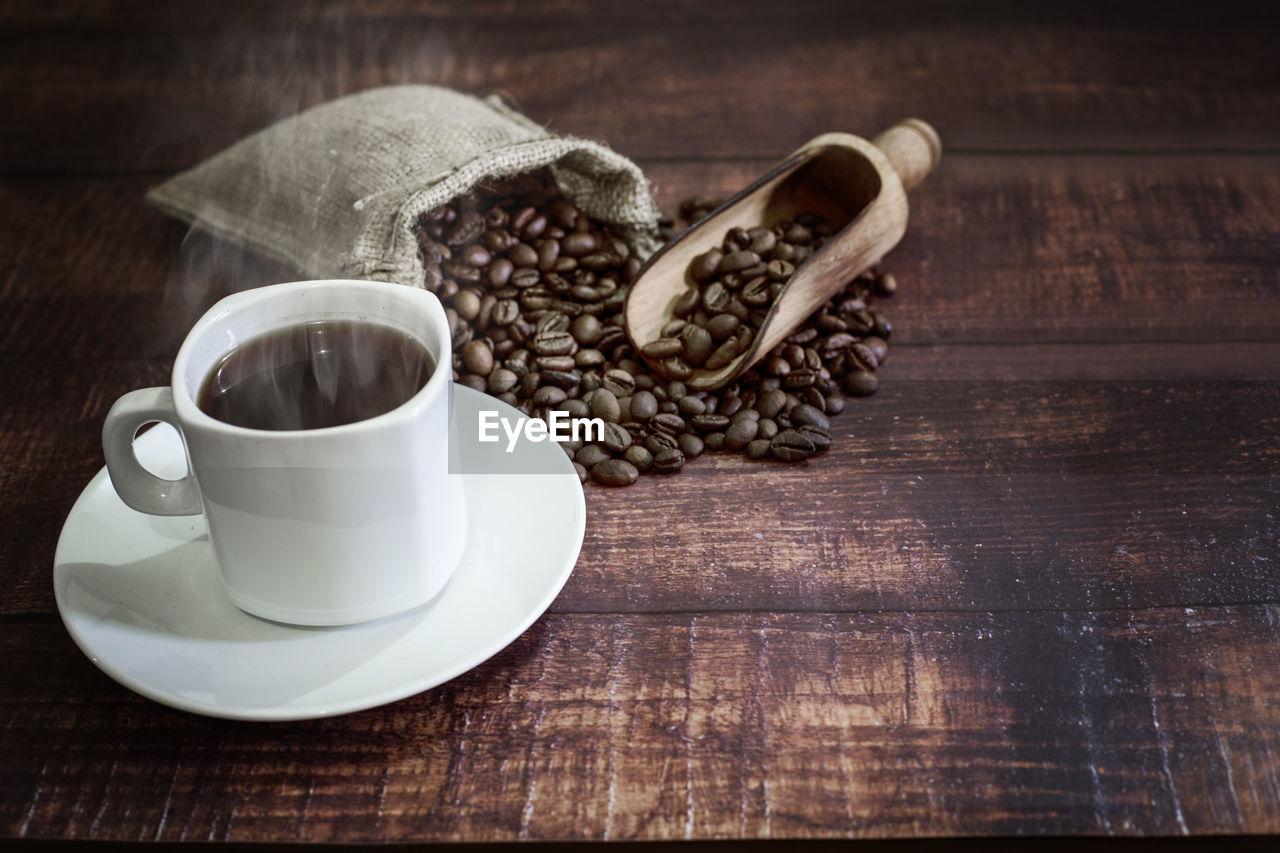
(1033, 588)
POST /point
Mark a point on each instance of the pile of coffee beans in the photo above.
(534, 293)
(735, 285)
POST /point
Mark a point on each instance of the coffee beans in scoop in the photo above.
(534, 291)
(735, 286)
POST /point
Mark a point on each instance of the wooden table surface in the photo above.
(1033, 588)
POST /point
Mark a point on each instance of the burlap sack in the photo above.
(336, 190)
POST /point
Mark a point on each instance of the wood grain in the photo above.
(164, 87)
(695, 726)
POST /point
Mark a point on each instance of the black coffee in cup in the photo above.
(316, 374)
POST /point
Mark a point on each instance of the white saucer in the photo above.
(141, 597)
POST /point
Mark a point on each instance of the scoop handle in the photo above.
(913, 147)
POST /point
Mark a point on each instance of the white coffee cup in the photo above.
(328, 526)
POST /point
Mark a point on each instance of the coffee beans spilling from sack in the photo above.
(534, 292)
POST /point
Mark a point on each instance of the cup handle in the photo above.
(136, 486)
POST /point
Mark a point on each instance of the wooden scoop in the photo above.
(859, 186)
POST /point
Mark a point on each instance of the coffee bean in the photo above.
(586, 329)
(499, 241)
(466, 228)
(553, 343)
(604, 405)
(833, 343)
(703, 268)
(639, 457)
(523, 255)
(660, 441)
(879, 348)
(715, 297)
(859, 383)
(791, 446)
(662, 348)
(554, 363)
(763, 240)
(563, 213)
(708, 422)
(766, 428)
(690, 405)
(611, 337)
(643, 405)
(779, 270)
(813, 397)
(714, 441)
(550, 395)
(616, 438)
(738, 260)
(527, 277)
(722, 326)
(863, 357)
(674, 329)
(798, 233)
(687, 303)
(755, 293)
(619, 382)
(807, 414)
(690, 445)
(502, 380)
(467, 304)
(803, 335)
(758, 449)
(722, 355)
(668, 422)
(551, 321)
(548, 254)
(522, 217)
(614, 472)
(668, 461)
(740, 433)
(819, 436)
(801, 377)
(590, 454)
(829, 323)
(505, 312)
(697, 343)
(886, 284)
(478, 357)
(860, 322)
(578, 244)
(475, 255)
